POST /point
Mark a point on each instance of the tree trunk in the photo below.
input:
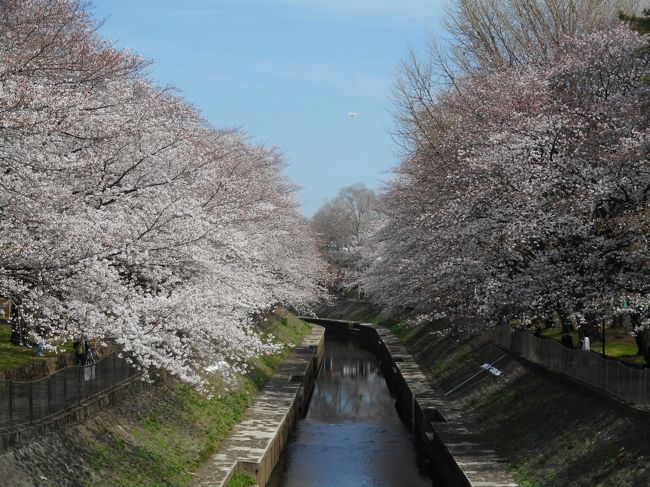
(642, 338)
(617, 322)
(592, 326)
(17, 331)
(642, 342)
(565, 322)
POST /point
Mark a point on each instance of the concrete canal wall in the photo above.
(452, 454)
(256, 443)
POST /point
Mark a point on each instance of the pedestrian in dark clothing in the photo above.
(89, 357)
(567, 341)
(79, 347)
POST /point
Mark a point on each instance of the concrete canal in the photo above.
(352, 434)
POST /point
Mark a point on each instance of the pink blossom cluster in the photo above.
(524, 189)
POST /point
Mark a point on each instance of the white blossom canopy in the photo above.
(524, 190)
(126, 216)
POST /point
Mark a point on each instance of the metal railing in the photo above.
(624, 381)
(25, 402)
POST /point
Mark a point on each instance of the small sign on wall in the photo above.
(491, 369)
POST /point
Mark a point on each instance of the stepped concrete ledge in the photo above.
(481, 466)
(256, 443)
(459, 455)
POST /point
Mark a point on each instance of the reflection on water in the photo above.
(350, 386)
(352, 435)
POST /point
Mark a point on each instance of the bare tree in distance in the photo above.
(494, 34)
(343, 225)
(488, 36)
(498, 33)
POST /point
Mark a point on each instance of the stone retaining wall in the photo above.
(455, 455)
(39, 369)
(256, 443)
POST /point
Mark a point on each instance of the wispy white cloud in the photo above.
(205, 13)
(344, 11)
(347, 11)
(369, 10)
(338, 78)
(341, 78)
(317, 72)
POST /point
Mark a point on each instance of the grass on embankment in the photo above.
(552, 432)
(618, 344)
(242, 479)
(13, 356)
(179, 428)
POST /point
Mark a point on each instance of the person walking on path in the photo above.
(567, 341)
(80, 349)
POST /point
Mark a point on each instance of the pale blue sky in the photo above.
(287, 72)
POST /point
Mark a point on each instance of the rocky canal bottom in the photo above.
(352, 434)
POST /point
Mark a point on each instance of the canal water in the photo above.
(352, 435)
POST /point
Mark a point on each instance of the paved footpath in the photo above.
(481, 466)
(255, 444)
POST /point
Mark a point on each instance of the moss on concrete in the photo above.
(166, 443)
(242, 479)
(173, 440)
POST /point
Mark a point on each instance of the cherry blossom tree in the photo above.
(126, 216)
(523, 189)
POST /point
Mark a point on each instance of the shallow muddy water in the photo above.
(351, 435)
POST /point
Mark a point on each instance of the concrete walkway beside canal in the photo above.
(256, 443)
(459, 455)
(479, 464)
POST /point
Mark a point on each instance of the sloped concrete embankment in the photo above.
(553, 432)
(256, 443)
(454, 455)
(145, 435)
